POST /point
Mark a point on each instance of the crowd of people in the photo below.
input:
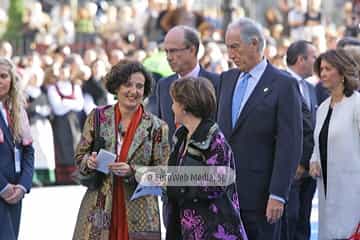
(283, 114)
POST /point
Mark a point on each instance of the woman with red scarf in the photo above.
(137, 138)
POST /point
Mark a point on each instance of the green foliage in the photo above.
(15, 23)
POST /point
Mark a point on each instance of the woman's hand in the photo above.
(91, 161)
(315, 170)
(120, 169)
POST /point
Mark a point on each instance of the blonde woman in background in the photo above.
(16, 151)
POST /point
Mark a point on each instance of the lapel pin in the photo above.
(266, 89)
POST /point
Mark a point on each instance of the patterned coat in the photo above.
(203, 212)
(149, 147)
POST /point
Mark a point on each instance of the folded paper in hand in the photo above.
(103, 159)
(142, 190)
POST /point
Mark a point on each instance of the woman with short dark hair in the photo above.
(137, 138)
(335, 161)
(200, 211)
(120, 73)
(196, 96)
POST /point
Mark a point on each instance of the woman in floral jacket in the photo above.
(200, 211)
(138, 139)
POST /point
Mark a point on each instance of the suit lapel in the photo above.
(313, 100)
(202, 73)
(227, 83)
(262, 89)
(166, 88)
(6, 131)
(168, 99)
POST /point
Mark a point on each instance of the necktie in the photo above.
(238, 97)
(305, 93)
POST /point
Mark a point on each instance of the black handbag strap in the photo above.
(98, 141)
(96, 124)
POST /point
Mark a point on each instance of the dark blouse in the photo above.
(323, 140)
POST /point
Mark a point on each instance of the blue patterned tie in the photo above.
(305, 92)
(238, 97)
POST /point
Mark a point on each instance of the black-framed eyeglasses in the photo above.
(175, 50)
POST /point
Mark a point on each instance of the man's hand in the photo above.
(17, 195)
(274, 210)
(299, 172)
(9, 191)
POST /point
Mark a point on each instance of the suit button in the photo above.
(195, 200)
(182, 190)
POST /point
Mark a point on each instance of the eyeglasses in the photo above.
(175, 50)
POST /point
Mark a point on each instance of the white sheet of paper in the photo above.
(103, 159)
(141, 191)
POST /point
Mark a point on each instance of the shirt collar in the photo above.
(258, 70)
(2, 107)
(193, 73)
(3, 112)
(294, 74)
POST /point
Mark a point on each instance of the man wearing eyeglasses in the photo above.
(181, 45)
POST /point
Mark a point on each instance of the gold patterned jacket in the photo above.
(149, 147)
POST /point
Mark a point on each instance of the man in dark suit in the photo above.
(181, 45)
(300, 58)
(259, 111)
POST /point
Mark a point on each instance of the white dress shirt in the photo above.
(3, 113)
(193, 73)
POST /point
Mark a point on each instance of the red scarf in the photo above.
(119, 227)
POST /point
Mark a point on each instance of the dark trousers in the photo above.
(307, 191)
(291, 213)
(9, 220)
(296, 220)
(257, 227)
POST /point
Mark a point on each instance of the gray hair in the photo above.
(250, 30)
(191, 37)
